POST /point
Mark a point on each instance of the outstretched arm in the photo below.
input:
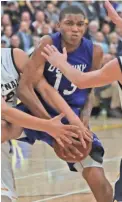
(109, 72)
(22, 119)
(116, 19)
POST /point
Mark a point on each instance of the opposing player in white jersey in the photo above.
(110, 72)
(12, 61)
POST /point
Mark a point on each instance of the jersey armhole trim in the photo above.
(120, 63)
(12, 55)
(120, 84)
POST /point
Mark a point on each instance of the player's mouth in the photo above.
(75, 36)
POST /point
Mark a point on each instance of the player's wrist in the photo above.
(62, 64)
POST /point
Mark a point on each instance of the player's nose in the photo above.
(75, 28)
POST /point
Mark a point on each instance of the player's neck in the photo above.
(69, 47)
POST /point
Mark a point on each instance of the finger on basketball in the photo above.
(75, 151)
(71, 134)
(76, 142)
(89, 139)
(60, 142)
(67, 140)
(82, 141)
(68, 153)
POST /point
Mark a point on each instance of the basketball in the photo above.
(60, 152)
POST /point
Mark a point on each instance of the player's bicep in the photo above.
(33, 69)
(20, 59)
(97, 58)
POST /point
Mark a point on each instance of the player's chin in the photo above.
(70, 159)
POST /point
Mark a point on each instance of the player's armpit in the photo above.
(32, 73)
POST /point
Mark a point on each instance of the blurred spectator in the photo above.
(100, 40)
(13, 11)
(25, 36)
(5, 20)
(26, 17)
(40, 20)
(46, 30)
(113, 39)
(3, 44)
(52, 13)
(36, 41)
(7, 35)
(15, 42)
(93, 28)
(26, 6)
(90, 10)
(113, 50)
(106, 31)
(100, 9)
(39, 5)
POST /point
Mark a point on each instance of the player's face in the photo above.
(72, 28)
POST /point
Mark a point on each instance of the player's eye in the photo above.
(80, 24)
(69, 23)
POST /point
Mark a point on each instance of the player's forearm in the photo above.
(19, 118)
(54, 99)
(92, 79)
(29, 98)
(72, 74)
(86, 112)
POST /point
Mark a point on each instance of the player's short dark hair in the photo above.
(70, 10)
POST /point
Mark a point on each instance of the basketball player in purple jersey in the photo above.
(112, 71)
(85, 56)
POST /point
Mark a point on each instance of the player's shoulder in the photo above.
(97, 50)
(19, 58)
(46, 39)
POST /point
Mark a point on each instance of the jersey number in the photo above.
(10, 96)
(57, 84)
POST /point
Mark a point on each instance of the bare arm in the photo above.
(32, 73)
(116, 19)
(20, 118)
(109, 72)
(54, 99)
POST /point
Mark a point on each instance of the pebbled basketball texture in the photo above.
(59, 151)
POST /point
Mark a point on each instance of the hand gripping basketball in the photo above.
(71, 153)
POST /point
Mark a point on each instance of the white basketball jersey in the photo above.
(120, 85)
(9, 76)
